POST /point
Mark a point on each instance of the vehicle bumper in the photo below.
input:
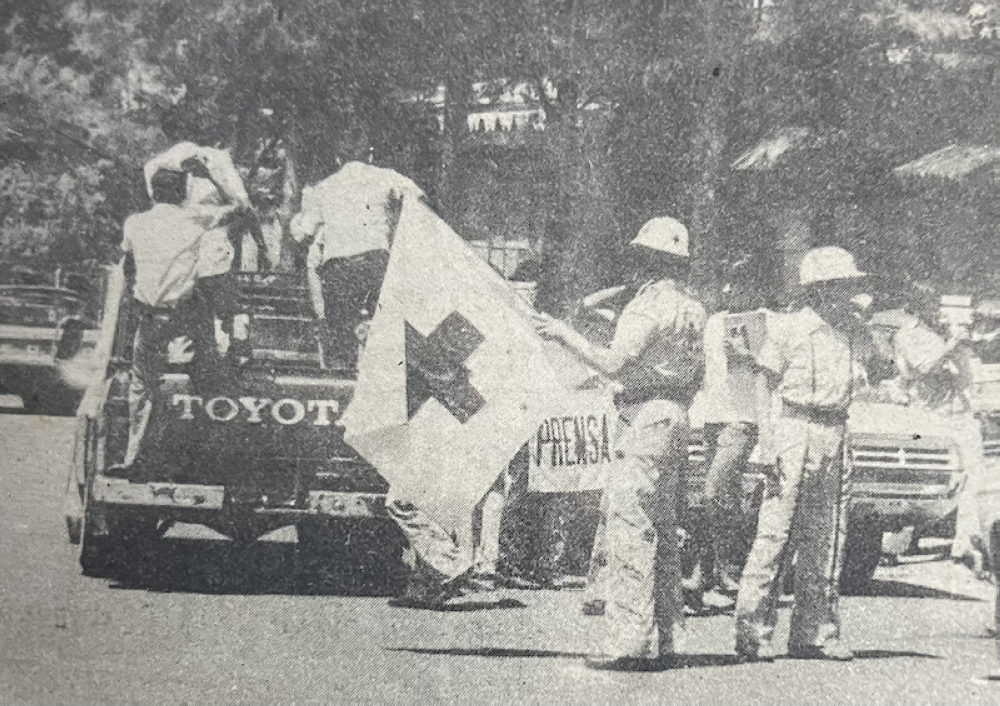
(190, 500)
(896, 513)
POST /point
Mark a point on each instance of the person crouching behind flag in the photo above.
(656, 358)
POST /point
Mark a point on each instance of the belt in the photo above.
(155, 312)
(828, 416)
(641, 396)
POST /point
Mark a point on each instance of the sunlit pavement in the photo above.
(217, 624)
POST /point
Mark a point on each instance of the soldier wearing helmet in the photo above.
(655, 358)
(809, 357)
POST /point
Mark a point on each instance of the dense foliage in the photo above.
(647, 102)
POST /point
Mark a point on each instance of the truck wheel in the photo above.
(321, 557)
(355, 557)
(74, 527)
(32, 403)
(96, 550)
(56, 401)
(862, 550)
(128, 539)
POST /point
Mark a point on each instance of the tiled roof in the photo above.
(768, 152)
(951, 162)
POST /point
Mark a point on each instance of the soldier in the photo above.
(811, 359)
(656, 359)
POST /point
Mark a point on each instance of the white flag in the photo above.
(454, 379)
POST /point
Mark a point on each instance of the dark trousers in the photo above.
(158, 332)
(721, 545)
(350, 291)
(217, 297)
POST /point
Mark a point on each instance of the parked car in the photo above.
(47, 336)
(902, 473)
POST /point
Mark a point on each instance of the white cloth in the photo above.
(219, 164)
(452, 371)
(347, 213)
(216, 253)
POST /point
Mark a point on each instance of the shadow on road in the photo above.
(681, 661)
(468, 606)
(892, 654)
(898, 589)
(224, 567)
(488, 652)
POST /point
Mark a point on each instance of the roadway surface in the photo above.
(217, 624)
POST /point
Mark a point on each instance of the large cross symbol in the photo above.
(435, 367)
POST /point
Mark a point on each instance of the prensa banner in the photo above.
(573, 451)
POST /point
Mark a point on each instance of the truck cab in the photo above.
(256, 450)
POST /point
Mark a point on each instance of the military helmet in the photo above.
(665, 234)
(827, 264)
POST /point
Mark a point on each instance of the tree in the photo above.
(67, 147)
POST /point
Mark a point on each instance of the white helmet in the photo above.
(826, 264)
(665, 234)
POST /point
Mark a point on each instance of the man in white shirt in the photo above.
(348, 219)
(656, 360)
(162, 247)
(935, 374)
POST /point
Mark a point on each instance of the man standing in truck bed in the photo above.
(348, 220)
(162, 247)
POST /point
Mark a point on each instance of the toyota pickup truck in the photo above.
(260, 451)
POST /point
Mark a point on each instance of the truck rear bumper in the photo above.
(184, 499)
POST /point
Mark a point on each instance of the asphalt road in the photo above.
(217, 624)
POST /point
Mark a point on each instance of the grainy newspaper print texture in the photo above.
(511, 352)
